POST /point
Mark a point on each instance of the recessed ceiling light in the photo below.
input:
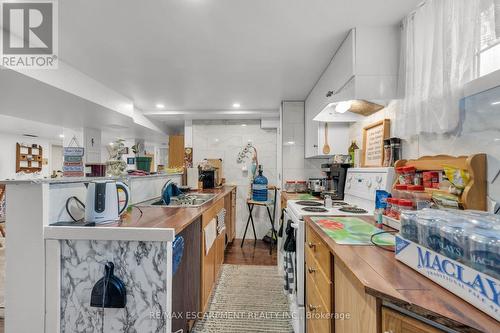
(495, 103)
(244, 125)
(160, 106)
(111, 143)
(291, 143)
(236, 105)
(61, 136)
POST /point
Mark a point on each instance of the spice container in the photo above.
(290, 186)
(400, 192)
(405, 205)
(420, 198)
(301, 186)
(396, 209)
(387, 153)
(430, 179)
(388, 206)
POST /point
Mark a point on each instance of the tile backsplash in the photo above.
(224, 139)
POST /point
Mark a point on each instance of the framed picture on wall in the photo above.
(373, 143)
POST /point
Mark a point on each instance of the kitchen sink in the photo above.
(188, 200)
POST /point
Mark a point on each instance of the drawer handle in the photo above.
(313, 308)
(311, 245)
(311, 270)
(329, 94)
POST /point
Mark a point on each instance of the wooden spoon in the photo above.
(326, 147)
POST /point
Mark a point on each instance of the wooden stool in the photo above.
(251, 204)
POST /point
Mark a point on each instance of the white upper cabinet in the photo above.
(365, 67)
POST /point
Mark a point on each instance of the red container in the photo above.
(430, 179)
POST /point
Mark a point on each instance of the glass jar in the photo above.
(290, 186)
(428, 232)
(301, 186)
(454, 242)
(400, 191)
(409, 228)
(420, 198)
(484, 251)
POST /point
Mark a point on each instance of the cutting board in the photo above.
(347, 230)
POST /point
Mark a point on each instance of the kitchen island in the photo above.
(49, 289)
(378, 293)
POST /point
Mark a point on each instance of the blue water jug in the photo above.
(259, 187)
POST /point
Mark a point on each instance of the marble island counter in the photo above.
(50, 289)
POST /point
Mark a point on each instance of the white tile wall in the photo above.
(427, 144)
(295, 166)
(224, 139)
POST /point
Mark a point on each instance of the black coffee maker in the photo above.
(207, 177)
(336, 177)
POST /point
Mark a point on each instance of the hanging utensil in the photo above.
(326, 147)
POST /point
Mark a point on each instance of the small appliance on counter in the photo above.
(316, 185)
(102, 204)
(335, 180)
(207, 178)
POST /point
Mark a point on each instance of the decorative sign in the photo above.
(73, 159)
(373, 143)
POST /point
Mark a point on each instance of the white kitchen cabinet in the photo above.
(338, 139)
(365, 66)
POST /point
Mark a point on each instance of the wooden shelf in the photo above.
(474, 194)
(25, 154)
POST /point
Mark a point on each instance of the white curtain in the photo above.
(439, 43)
(497, 18)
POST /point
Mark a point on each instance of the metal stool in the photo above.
(251, 204)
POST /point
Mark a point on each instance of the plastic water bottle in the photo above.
(259, 187)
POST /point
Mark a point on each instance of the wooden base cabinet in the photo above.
(319, 286)
(395, 322)
(211, 262)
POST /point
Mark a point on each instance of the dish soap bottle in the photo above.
(259, 187)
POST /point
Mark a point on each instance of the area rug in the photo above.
(247, 299)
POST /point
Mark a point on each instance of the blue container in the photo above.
(259, 187)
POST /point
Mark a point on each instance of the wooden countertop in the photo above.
(165, 217)
(390, 280)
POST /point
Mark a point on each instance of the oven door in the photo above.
(300, 238)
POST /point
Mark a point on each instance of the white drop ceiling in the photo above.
(198, 57)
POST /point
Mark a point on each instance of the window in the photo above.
(488, 58)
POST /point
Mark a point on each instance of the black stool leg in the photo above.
(253, 227)
(246, 228)
(273, 231)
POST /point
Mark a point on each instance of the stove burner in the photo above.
(309, 203)
(339, 204)
(354, 210)
(315, 209)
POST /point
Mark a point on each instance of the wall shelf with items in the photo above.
(29, 158)
(473, 195)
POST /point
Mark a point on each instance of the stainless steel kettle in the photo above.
(102, 204)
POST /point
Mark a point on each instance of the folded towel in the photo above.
(221, 223)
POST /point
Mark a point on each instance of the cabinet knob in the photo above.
(311, 245)
(315, 146)
(311, 270)
(329, 94)
(313, 308)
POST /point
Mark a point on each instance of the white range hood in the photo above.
(362, 76)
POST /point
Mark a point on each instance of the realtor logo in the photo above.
(29, 34)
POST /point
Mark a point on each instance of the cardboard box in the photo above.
(480, 290)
